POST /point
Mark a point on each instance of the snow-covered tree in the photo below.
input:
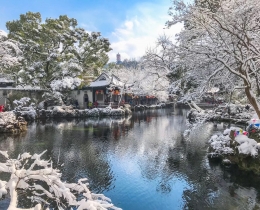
(10, 55)
(213, 5)
(56, 49)
(34, 178)
(159, 66)
(92, 52)
(227, 40)
(130, 63)
(142, 81)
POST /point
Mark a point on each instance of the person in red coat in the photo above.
(96, 104)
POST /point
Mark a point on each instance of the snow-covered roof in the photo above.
(28, 87)
(5, 80)
(21, 88)
(99, 83)
(104, 80)
(116, 81)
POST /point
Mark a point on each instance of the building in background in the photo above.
(118, 59)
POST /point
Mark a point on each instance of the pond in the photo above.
(141, 161)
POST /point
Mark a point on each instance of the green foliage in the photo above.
(56, 48)
(176, 74)
(10, 56)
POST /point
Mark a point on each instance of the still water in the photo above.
(141, 162)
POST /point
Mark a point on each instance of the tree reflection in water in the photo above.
(140, 162)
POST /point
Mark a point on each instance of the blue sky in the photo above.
(132, 26)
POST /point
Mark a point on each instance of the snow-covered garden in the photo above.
(217, 48)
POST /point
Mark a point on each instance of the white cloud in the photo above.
(139, 31)
(3, 33)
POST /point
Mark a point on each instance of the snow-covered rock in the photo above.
(117, 112)
(29, 113)
(9, 123)
(247, 146)
(145, 107)
(127, 109)
(63, 112)
(108, 111)
(224, 145)
(232, 112)
(92, 112)
(221, 144)
(235, 111)
(232, 147)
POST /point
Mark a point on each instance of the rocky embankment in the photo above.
(69, 112)
(9, 123)
(235, 147)
(157, 106)
(230, 113)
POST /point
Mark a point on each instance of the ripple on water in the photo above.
(141, 162)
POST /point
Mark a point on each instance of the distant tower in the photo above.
(118, 58)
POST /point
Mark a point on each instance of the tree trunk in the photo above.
(252, 99)
(196, 107)
(230, 97)
(257, 85)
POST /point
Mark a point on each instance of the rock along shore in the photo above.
(9, 123)
(69, 112)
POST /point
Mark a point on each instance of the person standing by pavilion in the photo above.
(96, 104)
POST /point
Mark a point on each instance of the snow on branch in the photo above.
(214, 42)
(65, 83)
(36, 177)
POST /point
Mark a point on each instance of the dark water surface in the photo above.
(141, 162)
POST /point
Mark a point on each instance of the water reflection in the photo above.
(141, 162)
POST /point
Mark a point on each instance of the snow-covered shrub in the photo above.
(25, 109)
(65, 83)
(23, 102)
(221, 144)
(42, 184)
